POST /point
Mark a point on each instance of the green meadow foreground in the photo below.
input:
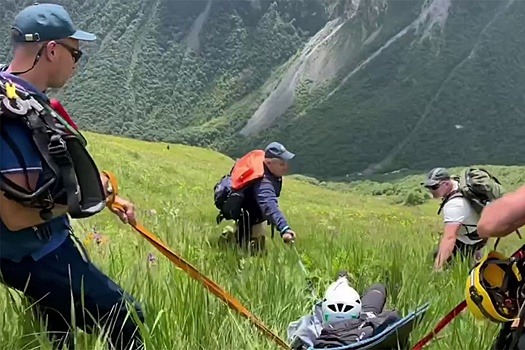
(375, 240)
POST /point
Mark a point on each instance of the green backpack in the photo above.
(476, 185)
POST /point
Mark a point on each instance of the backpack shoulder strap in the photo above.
(453, 194)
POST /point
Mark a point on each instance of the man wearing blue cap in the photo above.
(39, 255)
(260, 201)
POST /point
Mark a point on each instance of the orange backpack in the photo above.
(247, 169)
(228, 192)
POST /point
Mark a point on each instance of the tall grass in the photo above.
(375, 241)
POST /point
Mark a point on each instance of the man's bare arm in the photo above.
(17, 217)
(503, 216)
(446, 246)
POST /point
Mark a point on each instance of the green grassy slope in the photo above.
(373, 239)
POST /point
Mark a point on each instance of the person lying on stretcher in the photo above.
(342, 317)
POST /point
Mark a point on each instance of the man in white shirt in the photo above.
(460, 218)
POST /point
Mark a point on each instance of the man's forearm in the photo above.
(446, 247)
(268, 203)
(500, 218)
(276, 217)
(17, 217)
(28, 217)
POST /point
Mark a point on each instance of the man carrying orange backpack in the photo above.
(249, 195)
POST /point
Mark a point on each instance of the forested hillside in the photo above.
(350, 86)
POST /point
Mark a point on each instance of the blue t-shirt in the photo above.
(17, 245)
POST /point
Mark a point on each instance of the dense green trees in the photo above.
(447, 88)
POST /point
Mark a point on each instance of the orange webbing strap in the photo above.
(213, 287)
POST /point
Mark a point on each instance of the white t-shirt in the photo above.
(459, 210)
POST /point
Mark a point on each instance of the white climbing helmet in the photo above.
(341, 302)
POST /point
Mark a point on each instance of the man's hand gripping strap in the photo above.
(112, 190)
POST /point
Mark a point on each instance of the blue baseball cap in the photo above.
(277, 150)
(44, 22)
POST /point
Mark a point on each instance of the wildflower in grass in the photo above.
(152, 260)
(95, 238)
(100, 239)
(88, 240)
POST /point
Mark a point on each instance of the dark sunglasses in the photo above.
(434, 187)
(76, 53)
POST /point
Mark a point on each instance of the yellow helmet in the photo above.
(491, 289)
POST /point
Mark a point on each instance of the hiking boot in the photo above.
(227, 235)
(257, 245)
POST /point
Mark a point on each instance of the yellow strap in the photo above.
(516, 271)
(10, 91)
(211, 286)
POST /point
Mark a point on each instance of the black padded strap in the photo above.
(55, 153)
(455, 193)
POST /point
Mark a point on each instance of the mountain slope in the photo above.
(365, 86)
(374, 241)
(441, 87)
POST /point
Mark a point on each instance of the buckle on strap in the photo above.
(58, 150)
(43, 233)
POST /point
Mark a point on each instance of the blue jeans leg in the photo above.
(64, 276)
